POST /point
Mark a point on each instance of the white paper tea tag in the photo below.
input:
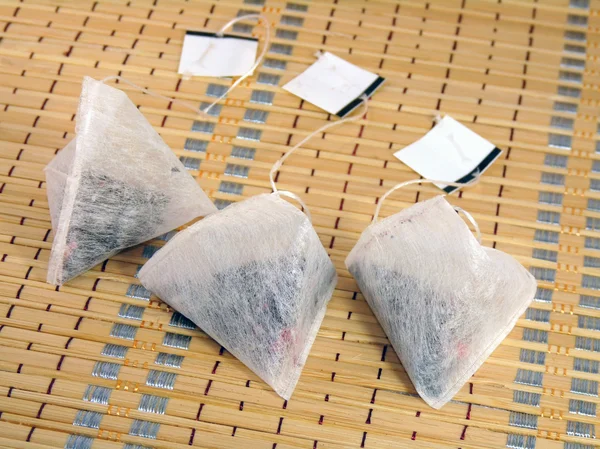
(449, 152)
(206, 54)
(334, 85)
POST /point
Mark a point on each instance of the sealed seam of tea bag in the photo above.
(57, 172)
(334, 84)
(444, 301)
(255, 277)
(471, 182)
(117, 184)
(450, 152)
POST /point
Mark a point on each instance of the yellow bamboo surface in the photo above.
(98, 363)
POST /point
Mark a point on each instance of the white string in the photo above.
(471, 220)
(297, 198)
(154, 94)
(262, 20)
(469, 217)
(190, 106)
(277, 165)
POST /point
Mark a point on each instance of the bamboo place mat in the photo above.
(99, 363)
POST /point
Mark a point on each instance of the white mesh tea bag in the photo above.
(256, 278)
(444, 301)
(57, 172)
(117, 184)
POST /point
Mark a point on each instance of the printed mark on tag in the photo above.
(334, 84)
(450, 152)
(209, 54)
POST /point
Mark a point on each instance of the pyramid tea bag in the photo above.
(444, 301)
(57, 172)
(256, 278)
(117, 184)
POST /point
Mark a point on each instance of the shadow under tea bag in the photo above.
(256, 278)
(444, 301)
(117, 184)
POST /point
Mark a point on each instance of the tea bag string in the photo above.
(467, 215)
(262, 21)
(471, 220)
(277, 165)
